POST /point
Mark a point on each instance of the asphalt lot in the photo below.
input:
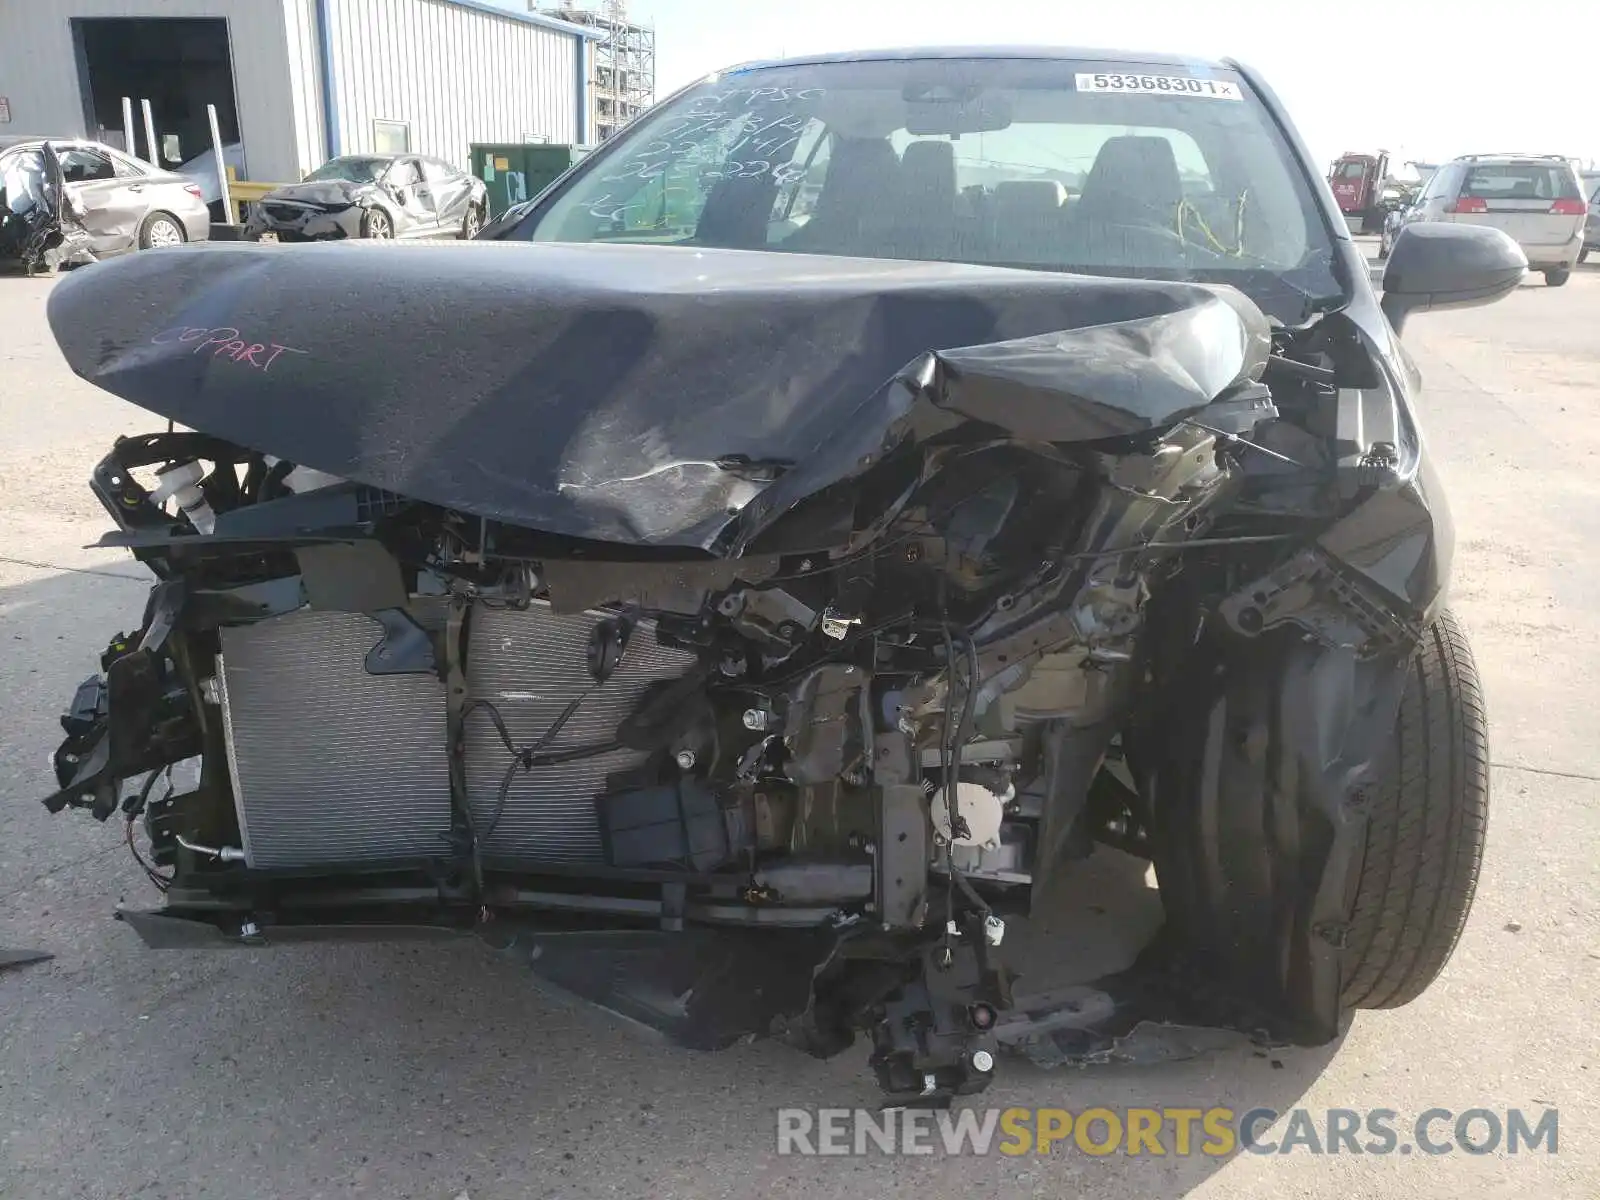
(409, 1072)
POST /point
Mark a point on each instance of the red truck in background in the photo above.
(1357, 182)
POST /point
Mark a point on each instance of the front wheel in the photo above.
(1425, 829)
(1583, 256)
(1557, 277)
(471, 223)
(376, 225)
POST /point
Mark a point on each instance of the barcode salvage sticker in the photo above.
(1162, 85)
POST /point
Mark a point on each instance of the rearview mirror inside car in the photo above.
(1436, 265)
(940, 110)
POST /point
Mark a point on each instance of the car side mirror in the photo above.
(1435, 265)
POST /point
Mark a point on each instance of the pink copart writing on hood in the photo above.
(225, 342)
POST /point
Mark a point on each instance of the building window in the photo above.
(391, 137)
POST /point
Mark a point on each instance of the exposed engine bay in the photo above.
(788, 760)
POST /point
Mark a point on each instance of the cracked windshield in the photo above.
(1003, 162)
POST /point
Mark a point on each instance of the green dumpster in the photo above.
(518, 171)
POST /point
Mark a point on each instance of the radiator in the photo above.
(333, 765)
(529, 665)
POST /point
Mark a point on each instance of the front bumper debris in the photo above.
(303, 223)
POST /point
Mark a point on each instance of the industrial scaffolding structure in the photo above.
(624, 80)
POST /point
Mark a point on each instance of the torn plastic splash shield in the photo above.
(601, 391)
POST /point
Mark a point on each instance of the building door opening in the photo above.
(179, 64)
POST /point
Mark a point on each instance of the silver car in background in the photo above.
(1536, 198)
(121, 203)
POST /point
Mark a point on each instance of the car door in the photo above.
(110, 206)
(450, 190)
(158, 190)
(24, 188)
(411, 192)
(28, 200)
(1346, 182)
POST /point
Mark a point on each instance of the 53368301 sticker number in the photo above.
(1185, 86)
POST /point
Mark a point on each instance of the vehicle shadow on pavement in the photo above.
(411, 1070)
(13, 275)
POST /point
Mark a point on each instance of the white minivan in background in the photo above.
(1535, 198)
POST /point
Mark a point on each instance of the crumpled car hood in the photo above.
(591, 390)
(331, 193)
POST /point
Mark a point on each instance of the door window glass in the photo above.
(404, 173)
(79, 165)
(797, 198)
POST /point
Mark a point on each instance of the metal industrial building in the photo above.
(624, 60)
(296, 81)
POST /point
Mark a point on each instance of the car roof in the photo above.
(1043, 53)
(12, 142)
(1554, 159)
(7, 145)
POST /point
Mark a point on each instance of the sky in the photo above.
(1423, 79)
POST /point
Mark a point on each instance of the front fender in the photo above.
(1397, 534)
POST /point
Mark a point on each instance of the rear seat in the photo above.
(1026, 220)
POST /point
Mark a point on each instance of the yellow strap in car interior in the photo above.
(1186, 210)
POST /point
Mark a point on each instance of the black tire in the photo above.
(471, 223)
(1557, 277)
(157, 228)
(1425, 830)
(1583, 255)
(376, 223)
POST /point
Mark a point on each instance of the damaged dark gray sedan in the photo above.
(747, 576)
